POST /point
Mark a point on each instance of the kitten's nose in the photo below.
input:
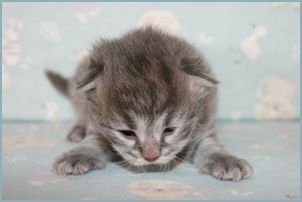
(150, 152)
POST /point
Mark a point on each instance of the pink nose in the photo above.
(150, 152)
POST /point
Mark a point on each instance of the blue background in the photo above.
(254, 49)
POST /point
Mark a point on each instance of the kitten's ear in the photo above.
(200, 87)
(94, 70)
(199, 81)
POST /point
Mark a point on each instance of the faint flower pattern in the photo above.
(84, 13)
(274, 99)
(26, 63)
(277, 5)
(11, 46)
(50, 31)
(236, 193)
(51, 110)
(21, 142)
(250, 46)
(36, 183)
(280, 5)
(79, 56)
(296, 5)
(206, 38)
(162, 189)
(44, 177)
(160, 19)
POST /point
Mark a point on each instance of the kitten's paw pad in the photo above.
(76, 134)
(76, 164)
(227, 167)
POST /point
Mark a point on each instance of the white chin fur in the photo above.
(159, 161)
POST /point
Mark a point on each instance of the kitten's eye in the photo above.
(168, 131)
(128, 133)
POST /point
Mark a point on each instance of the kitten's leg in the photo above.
(210, 157)
(87, 155)
(77, 133)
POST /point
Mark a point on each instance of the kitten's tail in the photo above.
(59, 82)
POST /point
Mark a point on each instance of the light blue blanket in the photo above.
(272, 148)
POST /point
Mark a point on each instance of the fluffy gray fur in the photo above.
(149, 98)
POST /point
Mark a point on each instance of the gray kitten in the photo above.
(150, 98)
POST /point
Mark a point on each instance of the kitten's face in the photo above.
(155, 140)
(146, 92)
(148, 119)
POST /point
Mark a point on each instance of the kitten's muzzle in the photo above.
(151, 159)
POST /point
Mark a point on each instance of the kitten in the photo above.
(148, 97)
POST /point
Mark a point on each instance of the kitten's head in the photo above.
(145, 102)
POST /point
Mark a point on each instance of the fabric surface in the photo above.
(272, 148)
(254, 49)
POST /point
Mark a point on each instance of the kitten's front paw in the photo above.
(227, 167)
(76, 163)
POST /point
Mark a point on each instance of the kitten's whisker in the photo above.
(122, 162)
(141, 169)
(169, 166)
(137, 169)
(144, 168)
(165, 168)
(161, 167)
(177, 158)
